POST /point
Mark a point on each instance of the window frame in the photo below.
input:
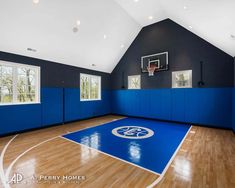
(190, 81)
(15, 66)
(129, 79)
(89, 88)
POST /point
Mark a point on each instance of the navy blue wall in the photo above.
(55, 74)
(234, 99)
(233, 109)
(186, 50)
(60, 98)
(210, 105)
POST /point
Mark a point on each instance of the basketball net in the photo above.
(151, 69)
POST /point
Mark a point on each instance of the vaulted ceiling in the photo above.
(95, 34)
(212, 20)
(104, 31)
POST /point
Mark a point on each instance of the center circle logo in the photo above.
(132, 132)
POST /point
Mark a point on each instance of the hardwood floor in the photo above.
(206, 159)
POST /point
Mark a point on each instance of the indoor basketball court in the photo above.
(117, 93)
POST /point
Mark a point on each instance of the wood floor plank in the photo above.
(207, 160)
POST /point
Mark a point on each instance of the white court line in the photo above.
(68, 132)
(2, 174)
(82, 145)
(169, 163)
(5, 177)
(95, 126)
(16, 159)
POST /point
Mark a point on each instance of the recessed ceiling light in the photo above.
(232, 36)
(35, 1)
(190, 27)
(78, 22)
(150, 17)
(122, 46)
(31, 50)
(185, 7)
(75, 29)
(105, 36)
(93, 65)
(136, 0)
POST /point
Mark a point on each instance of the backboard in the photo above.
(159, 59)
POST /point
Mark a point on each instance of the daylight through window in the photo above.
(19, 83)
(90, 87)
(134, 82)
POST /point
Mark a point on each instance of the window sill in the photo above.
(14, 104)
(86, 100)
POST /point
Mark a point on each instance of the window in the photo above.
(90, 87)
(134, 82)
(182, 79)
(19, 84)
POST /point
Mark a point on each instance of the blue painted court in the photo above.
(147, 143)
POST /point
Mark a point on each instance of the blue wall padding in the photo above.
(52, 106)
(19, 117)
(178, 105)
(15, 118)
(192, 109)
(74, 109)
(210, 106)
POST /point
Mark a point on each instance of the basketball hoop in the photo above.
(151, 69)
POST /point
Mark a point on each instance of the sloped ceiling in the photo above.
(212, 20)
(48, 28)
(107, 27)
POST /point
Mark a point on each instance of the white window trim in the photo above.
(37, 83)
(189, 72)
(90, 76)
(129, 78)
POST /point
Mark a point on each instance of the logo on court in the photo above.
(133, 132)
